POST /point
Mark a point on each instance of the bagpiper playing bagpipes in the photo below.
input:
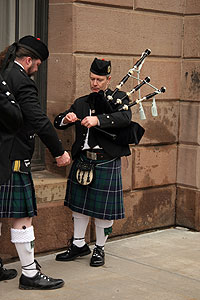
(106, 102)
(104, 130)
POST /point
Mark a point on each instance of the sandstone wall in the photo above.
(188, 174)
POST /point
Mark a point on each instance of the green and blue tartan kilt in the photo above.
(17, 197)
(103, 197)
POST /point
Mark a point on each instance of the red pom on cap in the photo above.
(101, 67)
(35, 45)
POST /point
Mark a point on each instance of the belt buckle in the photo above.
(91, 155)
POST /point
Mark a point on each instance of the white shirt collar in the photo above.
(18, 64)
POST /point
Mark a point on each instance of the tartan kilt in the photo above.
(17, 197)
(103, 197)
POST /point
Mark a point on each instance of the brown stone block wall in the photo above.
(192, 7)
(100, 17)
(191, 36)
(120, 3)
(171, 6)
(189, 123)
(187, 207)
(188, 175)
(7, 249)
(162, 72)
(190, 80)
(188, 172)
(60, 89)
(60, 39)
(60, 2)
(144, 210)
(49, 187)
(127, 172)
(147, 209)
(158, 33)
(53, 226)
(154, 166)
(160, 129)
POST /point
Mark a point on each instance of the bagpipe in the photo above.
(118, 101)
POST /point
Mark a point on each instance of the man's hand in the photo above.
(63, 160)
(70, 118)
(90, 121)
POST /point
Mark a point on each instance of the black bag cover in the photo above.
(131, 134)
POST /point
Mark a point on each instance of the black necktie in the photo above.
(91, 139)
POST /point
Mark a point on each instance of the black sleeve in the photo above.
(10, 112)
(58, 119)
(38, 120)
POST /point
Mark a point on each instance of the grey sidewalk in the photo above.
(161, 265)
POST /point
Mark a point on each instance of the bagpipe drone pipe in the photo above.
(104, 103)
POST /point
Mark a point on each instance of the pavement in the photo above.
(158, 265)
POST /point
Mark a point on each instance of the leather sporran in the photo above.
(85, 172)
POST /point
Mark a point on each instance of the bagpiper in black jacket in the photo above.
(35, 121)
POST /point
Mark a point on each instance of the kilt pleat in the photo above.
(17, 197)
(103, 197)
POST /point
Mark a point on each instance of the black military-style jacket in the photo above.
(35, 121)
(10, 122)
(108, 121)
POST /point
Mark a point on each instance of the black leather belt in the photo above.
(96, 154)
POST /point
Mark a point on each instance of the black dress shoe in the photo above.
(73, 252)
(98, 257)
(39, 282)
(6, 274)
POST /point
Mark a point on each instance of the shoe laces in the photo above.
(69, 244)
(97, 251)
(45, 277)
(38, 267)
